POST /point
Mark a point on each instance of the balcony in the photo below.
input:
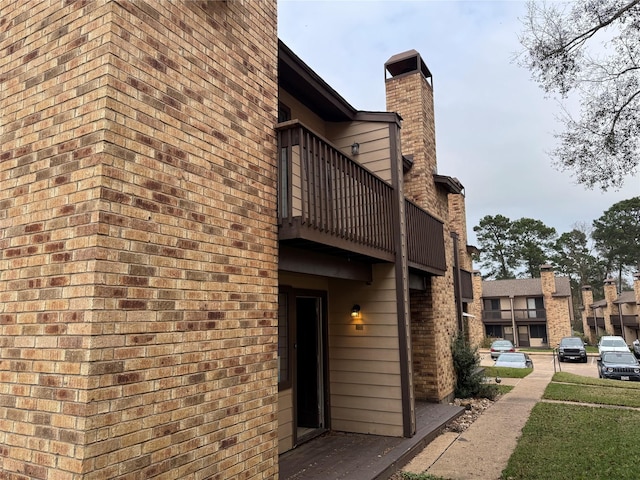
(521, 315)
(466, 283)
(328, 202)
(627, 320)
(425, 240)
(593, 321)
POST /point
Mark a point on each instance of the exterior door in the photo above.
(310, 387)
(523, 336)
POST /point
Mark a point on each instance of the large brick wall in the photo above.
(611, 309)
(138, 267)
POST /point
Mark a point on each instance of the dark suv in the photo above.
(572, 348)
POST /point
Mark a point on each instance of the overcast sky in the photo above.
(494, 126)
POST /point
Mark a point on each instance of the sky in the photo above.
(494, 125)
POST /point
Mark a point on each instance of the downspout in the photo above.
(621, 322)
(513, 322)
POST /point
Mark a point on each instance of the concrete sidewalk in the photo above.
(482, 451)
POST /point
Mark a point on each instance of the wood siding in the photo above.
(364, 364)
(373, 139)
(300, 112)
(285, 420)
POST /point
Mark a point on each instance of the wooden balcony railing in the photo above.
(627, 320)
(327, 198)
(521, 315)
(592, 321)
(466, 284)
(425, 240)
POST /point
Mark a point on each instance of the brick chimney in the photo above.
(610, 295)
(587, 301)
(410, 93)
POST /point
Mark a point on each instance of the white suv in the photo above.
(612, 343)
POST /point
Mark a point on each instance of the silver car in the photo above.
(500, 346)
(514, 360)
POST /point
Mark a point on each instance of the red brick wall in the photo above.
(138, 239)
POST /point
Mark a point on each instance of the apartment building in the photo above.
(208, 255)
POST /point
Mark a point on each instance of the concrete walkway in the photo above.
(482, 451)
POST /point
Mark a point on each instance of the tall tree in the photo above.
(591, 47)
(532, 244)
(496, 247)
(617, 237)
(574, 257)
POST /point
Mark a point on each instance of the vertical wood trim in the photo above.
(402, 288)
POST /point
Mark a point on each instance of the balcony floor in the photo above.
(337, 455)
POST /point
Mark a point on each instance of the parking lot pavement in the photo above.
(545, 362)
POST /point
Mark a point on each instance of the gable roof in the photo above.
(628, 296)
(522, 287)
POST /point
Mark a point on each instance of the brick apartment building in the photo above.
(615, 314)
(207, 255)
(531, 312)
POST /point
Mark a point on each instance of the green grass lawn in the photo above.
(506, 372)
(575, 442)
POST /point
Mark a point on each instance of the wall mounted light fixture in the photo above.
(355, 315)
(355, 149)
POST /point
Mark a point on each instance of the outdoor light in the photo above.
(355, 311)
(355, 149)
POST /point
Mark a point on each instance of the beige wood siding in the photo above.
(364, 365)
(302, 113)
(373, 138)
(519, 303)
(627, 309)
(296, 182)
(285, 420)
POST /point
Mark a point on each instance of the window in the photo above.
(284, 113)
(284, 357)
(493, 331)
(535, 307)
(492, 308)
(538, 331)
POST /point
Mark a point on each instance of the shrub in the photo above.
(487, 341)
(469, 375)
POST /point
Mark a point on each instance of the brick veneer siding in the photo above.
(475, 325)
(587, 311)
(138, 284)
(611, 309)
(458, 221)
(557, 308)
(433, 314)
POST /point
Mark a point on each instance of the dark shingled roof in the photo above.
(628, 296)
(523, 287)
